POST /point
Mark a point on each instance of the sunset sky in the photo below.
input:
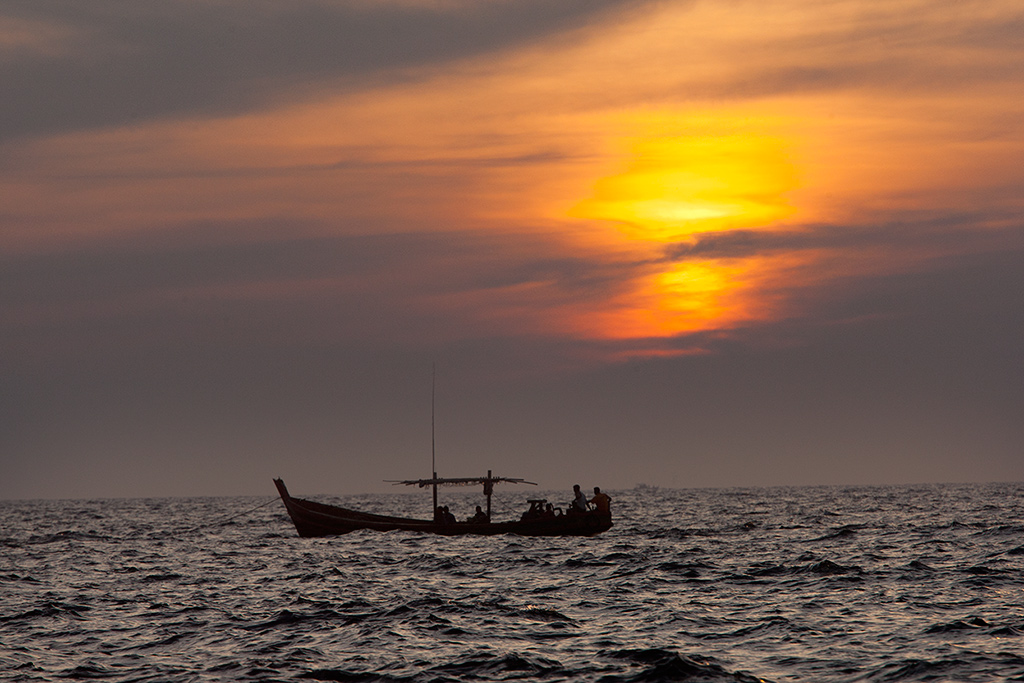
(685, 244)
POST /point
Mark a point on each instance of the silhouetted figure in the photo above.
(549, 511)
(601, 501)
(536, 510)
(439, 515)
(480, 517)
(449, 518)
(579, 501)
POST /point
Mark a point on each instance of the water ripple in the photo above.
(819, 584)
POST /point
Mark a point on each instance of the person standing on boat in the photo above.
(579, 501)
(601, 501)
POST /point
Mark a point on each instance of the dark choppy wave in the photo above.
(806, 584)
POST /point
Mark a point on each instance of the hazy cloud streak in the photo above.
(115, 63)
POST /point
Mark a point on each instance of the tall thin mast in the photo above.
(433, 464)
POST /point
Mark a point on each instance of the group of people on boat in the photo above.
(539, 509)
(580, 504)
(442, 515)
(601, 502)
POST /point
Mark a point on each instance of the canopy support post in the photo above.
(488, 490)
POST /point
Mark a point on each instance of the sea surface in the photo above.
(900, 583)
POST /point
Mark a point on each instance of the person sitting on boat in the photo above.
(549, 511)
(449, 518)
(536, 510)
(579, 502)
(480, 517)
(439, 515)
(602, 501)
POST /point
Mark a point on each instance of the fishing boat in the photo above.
(320, 519)
(312, 518)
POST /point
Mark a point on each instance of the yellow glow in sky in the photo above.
(678, 299)
(723, 175)
(675, 187)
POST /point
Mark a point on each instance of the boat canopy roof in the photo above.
(489, 481)
(459, 481)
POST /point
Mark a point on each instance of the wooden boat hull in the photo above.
(319, 519)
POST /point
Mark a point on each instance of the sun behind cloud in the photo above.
(674, 188)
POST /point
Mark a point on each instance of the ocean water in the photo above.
(901, 583)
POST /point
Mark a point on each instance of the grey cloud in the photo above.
(134, 61)
(957, 232)
(197, 273)
(201, 273)
(958, 319)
